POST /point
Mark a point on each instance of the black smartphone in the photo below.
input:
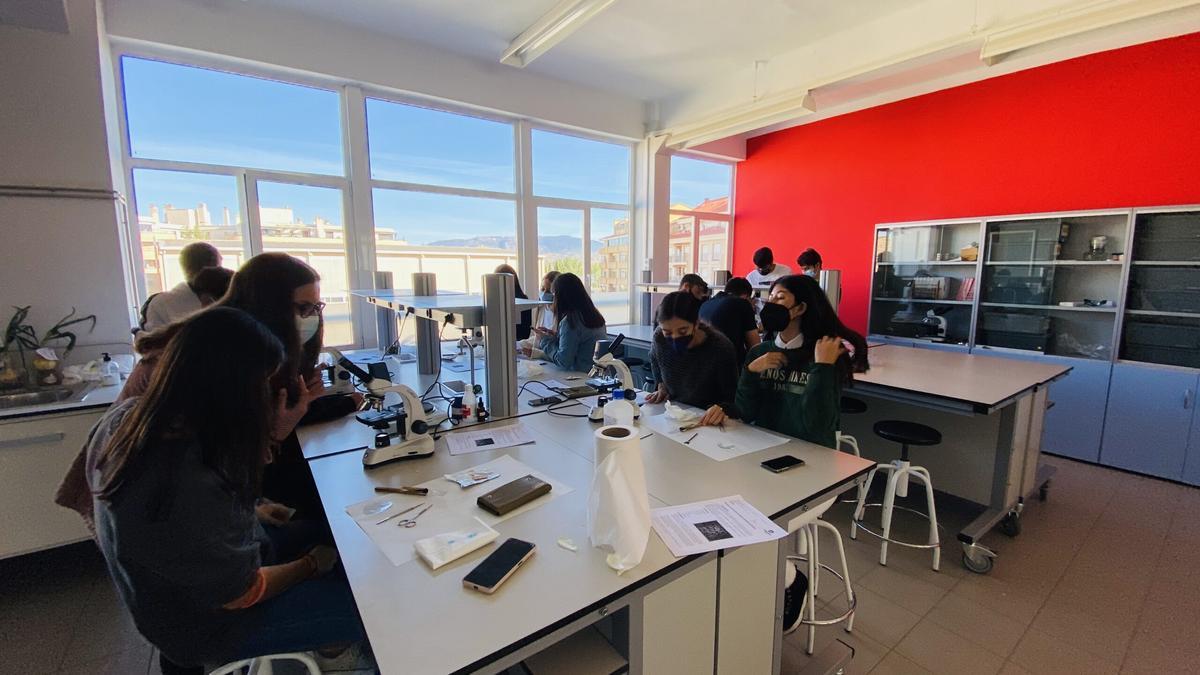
(499, 566)
(548, 400)
(783, 463)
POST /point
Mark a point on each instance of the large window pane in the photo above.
(570, 167)
(697, 185)
(560, 241)
(189, 114)
(176, 208)
(714, 240)
(457, 238)
(306, 222)
(610, 264)
(418, 145)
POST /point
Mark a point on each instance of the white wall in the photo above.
(252, 32)
(57, 253)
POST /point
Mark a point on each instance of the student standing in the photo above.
(766, 270)
(175, 475)
(170, 306)
(732, 313)
(579, 325)
(792, 384)
(693, 362)
(810, 263)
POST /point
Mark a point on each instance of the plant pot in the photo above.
(12, 371)
(47, 372)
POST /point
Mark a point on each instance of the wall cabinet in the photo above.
(1149, 418)
(34, 456)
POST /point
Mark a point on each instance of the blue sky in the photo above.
(210, 117)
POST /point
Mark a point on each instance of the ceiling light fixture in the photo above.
(1073, 21)
(554, 26)
(762, 113)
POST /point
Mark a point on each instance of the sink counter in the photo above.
(88, 395)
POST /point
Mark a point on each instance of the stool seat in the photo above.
(907, 433)
(853, 406)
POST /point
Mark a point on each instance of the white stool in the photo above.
(261, 665)
(900, 471)
(849, 444)
(807, 529)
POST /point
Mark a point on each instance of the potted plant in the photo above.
(18, 336)
(47, 364)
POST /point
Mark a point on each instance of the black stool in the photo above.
(906, 434)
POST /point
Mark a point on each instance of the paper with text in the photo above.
(712, 525)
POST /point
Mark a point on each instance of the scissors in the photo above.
(412, 522)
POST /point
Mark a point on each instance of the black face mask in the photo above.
(775, 317)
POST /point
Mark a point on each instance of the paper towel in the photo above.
(618, 506)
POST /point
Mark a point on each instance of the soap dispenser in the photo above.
(110, 373)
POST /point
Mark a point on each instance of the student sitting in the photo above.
(693, 362)
(732, 313)
(184, 299)
(579, 326)
(523, 323)
(696, 285)
(793, 384)
(175, 475)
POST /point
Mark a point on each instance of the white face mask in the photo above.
(308, 326)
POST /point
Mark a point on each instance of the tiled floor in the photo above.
(1105, 578)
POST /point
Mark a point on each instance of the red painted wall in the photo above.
(1118, 128)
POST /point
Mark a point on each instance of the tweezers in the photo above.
(400, 513)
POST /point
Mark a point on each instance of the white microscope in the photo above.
(412, 428)
(603, 362)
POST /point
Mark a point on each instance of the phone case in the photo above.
(513, 495)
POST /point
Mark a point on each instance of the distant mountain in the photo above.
(558, 244)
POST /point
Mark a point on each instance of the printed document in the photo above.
(712, 525)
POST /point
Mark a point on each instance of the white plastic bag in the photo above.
(619, 506)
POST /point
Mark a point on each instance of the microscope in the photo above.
(604, 363)
(411, 426)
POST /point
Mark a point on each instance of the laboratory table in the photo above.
(662, 615)
(990, 413)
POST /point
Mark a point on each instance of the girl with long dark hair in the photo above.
(792, 384)
(693, 362)
(175, 477)
(579, 325)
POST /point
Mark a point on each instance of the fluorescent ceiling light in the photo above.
(739, 121)
(1073, 21)
(554, 26)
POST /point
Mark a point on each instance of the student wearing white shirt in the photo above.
(766, 270)
(170, 306)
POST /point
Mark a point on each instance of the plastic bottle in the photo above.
(468, 408)
(619, 410)
(110, 373)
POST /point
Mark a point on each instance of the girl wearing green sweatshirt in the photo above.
(792, 384)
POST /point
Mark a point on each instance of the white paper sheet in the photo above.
(712, 525)
(454, 508)
(492, 437)
(736, 440)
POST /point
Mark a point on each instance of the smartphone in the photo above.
(783, 463)
(499, 566)
(548, 400)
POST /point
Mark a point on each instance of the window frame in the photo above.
(356, 182)
(697, 216)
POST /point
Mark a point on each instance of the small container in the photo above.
(110, 373)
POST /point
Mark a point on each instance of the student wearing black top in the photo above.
(175, 474)
(693, 362)
(732, 312)
(524, 324)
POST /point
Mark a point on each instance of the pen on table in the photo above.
(405, 490)
(689, 441)
(646, 436)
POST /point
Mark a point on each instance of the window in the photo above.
(176, 208)
(430, 147)
(186, 114)
(610, 264)
(569, 167)
(306, 222)
(701, 223)
(458, 238)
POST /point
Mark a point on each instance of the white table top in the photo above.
(425, 622)
(978, 380)
(633, 332)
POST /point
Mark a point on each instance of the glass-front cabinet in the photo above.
(1162, 309)
(924, 281)
(1053, 284)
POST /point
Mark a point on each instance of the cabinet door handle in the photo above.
(1187, 399)
(32, 440)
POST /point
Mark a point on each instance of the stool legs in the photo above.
(899, 473)
(809, 536)
(922, 475)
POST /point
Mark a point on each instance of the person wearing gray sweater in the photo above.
(693, 363)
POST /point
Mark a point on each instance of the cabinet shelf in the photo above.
(1057, 308)
(972, 263)
(1056, 263)
(1167, 263)
(927, 302)
(1173, 315)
